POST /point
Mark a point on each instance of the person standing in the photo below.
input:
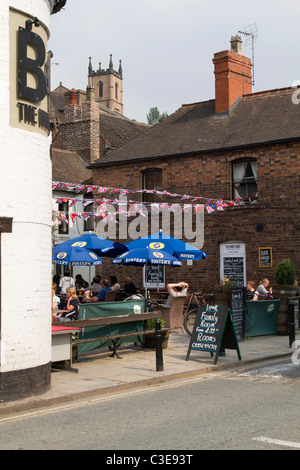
(66, 281)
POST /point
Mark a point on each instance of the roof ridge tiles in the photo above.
(268, 92)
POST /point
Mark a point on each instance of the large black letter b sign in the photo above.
(27, 65)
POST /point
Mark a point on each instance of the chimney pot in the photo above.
(236, 44)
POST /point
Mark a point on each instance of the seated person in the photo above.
(71, 309)
(101, 295)
(80, 283)
(55, 299)
(114, 283)
(252, 294)
(129, 287)
(175, 290)
(262, 289)
(95, 285)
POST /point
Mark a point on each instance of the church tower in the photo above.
(108, 85)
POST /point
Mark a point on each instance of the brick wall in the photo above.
(80, 130)
(278, 208)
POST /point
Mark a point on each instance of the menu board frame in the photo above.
(233, 262)
(149, 271)
(260, 252)
(213, 330)
(238, 310)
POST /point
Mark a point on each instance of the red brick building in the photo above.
(239, 145)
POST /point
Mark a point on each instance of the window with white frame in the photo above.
(244, 179)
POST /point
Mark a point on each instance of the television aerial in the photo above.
(251, 33)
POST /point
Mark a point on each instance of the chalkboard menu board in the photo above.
(213, 330)
(154, 276)
(234, 269)
(265, 257)
(238, 310)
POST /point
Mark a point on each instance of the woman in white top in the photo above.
(66, 281)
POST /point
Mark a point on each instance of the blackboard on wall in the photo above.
(238, 310)
(234, 269)
(265, 257)
(213, 330)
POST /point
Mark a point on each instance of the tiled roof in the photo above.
(69, 167)
(117, 131)
(254, 120)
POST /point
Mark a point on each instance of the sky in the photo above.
(167, 46)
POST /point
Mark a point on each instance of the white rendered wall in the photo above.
(26, 196)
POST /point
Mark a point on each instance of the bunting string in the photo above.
(101, 209)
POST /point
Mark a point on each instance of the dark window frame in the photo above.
(152, 179)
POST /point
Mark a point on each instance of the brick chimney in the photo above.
(80, 128)
(233, 77)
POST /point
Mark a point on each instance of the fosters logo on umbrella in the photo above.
(61, 255)
(157, 254)
(79, 244)
(157, 246)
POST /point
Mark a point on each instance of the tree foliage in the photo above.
(154, 116)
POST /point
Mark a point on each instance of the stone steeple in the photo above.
(108, 85)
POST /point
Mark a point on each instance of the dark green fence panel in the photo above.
(261, 317)
(109, 309)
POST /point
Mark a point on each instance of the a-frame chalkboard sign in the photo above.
(213, 330)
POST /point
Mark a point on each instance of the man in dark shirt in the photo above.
(129, 287)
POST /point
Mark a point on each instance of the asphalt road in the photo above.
(250, 409)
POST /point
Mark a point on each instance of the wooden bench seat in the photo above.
(114, 320)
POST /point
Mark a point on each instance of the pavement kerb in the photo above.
(40, 402)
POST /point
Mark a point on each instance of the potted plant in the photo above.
(284, 289)
(149, 341)
(285, 273)
(222, 292)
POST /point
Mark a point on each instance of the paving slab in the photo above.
(99, 373)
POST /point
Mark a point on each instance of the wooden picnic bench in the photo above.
(114, 320)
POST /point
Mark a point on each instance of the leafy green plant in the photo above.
(285, 273)
(226, 282)
(151, 323)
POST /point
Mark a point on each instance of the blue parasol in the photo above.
(174, 246)
(101, 246)
(149, 256)
(75, 256)
(146, 256)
